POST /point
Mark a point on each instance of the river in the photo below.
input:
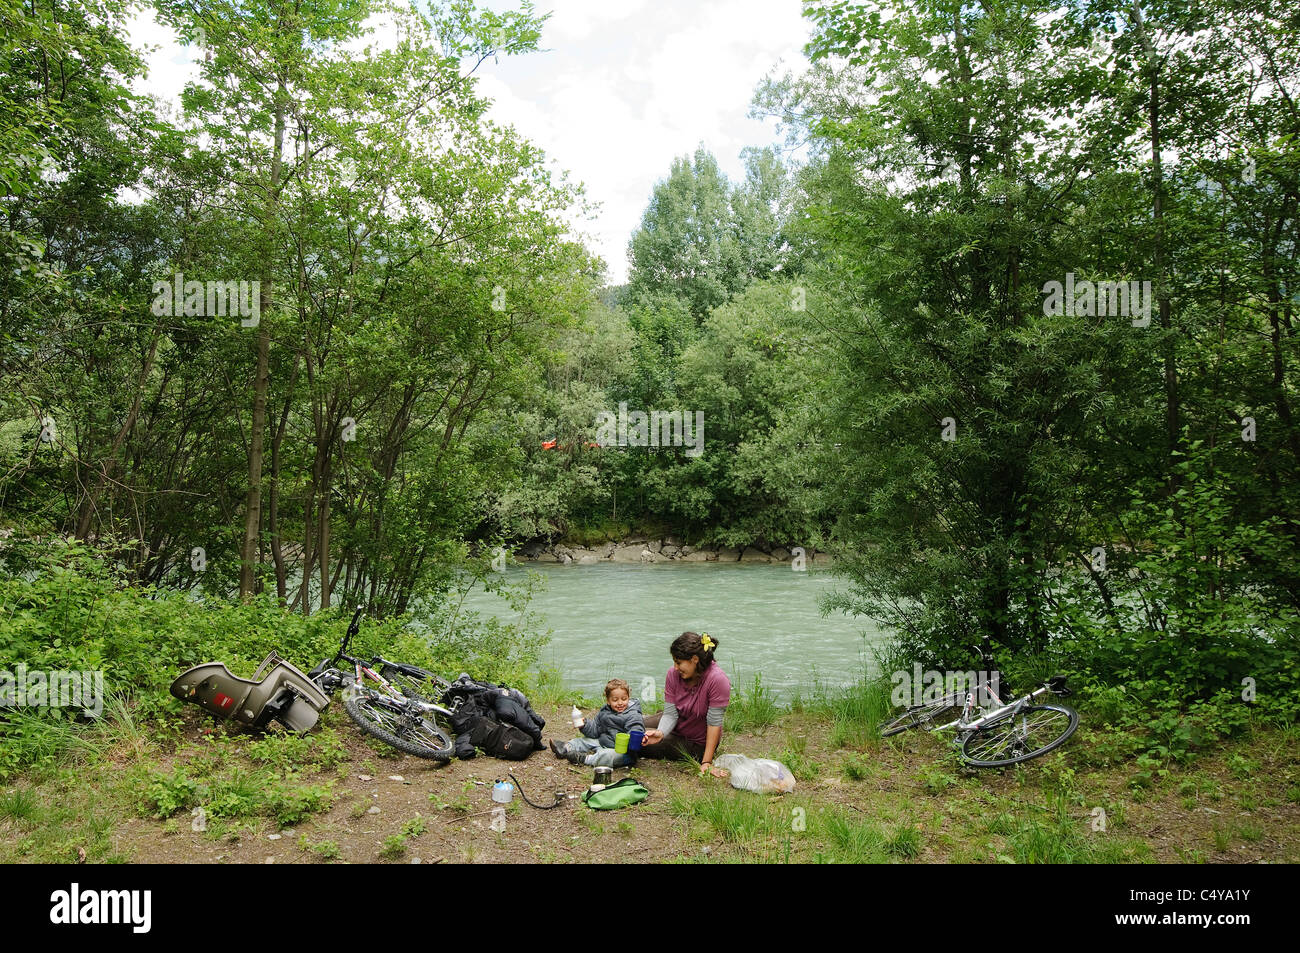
(618, 620)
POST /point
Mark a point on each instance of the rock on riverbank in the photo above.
(640, 550)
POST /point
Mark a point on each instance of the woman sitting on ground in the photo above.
(696, 694)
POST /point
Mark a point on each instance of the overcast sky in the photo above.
(623, 87)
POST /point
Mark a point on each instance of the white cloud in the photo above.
(627, 87)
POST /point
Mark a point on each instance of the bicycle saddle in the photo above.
(1056, 685)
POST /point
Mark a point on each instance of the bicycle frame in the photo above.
(390, 691)
(966, 724)
(363, 672)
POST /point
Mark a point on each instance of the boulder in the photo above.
(585, 557)
(752, 555)
(781, 554)
(655, 545)
(669, 551)
(687, 550)
(565, 559)
(729, 555)
(672, 541)
(547, 558)
(607, 550)
(627, 554)
(699, 556)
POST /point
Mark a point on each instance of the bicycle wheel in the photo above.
(378, 716)
(926, 716)
(1030, 732)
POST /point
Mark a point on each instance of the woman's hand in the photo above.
(652, 737)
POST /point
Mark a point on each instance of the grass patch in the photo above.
(753, 707)
(325, 849)
(20, 804)
(394, 847)
(855, 711)
(849, 840)
(855, 768)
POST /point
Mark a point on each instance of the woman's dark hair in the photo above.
(691, 643)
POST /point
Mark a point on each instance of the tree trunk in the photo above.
(253, 507)
(1172, 412)
(89, 504)
(273, 516)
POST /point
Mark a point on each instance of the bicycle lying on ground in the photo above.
(391, 700)
(992, 733)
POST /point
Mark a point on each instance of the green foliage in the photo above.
(1098, 499)
(168, 794)
(795, 757)
(65, 608)
(855, 768)
(394, 847)
(326, 849)
(235, 793)
(701, 240)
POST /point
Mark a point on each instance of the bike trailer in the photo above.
(277, 690)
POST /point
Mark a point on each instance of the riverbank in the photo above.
(133, 795)
(652, 549)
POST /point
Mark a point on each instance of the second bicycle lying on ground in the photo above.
(989, 732)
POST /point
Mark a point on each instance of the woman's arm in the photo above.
(713, 735)
(667, 721)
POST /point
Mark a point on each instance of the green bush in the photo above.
(63, 607)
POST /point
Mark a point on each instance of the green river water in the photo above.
(617, 620)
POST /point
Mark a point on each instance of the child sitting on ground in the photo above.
(621, 713)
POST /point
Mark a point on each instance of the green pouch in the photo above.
(621, 794)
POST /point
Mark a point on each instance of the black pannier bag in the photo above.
(495, 719)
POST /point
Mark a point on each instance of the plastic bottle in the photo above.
(576, 715)
(499, 819)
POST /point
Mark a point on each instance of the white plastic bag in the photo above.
(760, 775)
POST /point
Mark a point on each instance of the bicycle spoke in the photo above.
(1018, 735)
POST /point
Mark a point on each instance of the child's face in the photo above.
(618, 700)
